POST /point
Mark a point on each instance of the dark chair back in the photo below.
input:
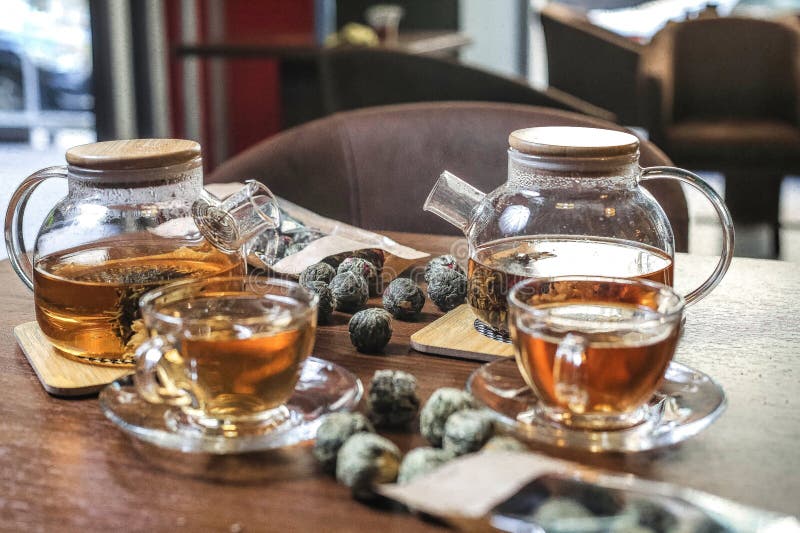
(740, 67)
(352, 78)
(374, 167)
(591, 63)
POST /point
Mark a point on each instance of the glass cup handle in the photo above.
(723, 215)
(569, 384)
(150, 380)
(15, 241)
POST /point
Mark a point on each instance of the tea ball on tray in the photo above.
(350, 291)
(392, 399)
(447, 262)
(447, 288)
(365, 460)
(370, 329)
(467, 431)
(361, 267)
(421, 461)
(335, 429)
(441, 404)
(317, 272)
(326, 303)
(403, 299)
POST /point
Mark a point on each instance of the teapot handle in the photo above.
(723, 215)
(15, 242)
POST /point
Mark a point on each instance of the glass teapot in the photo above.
(135, 216)
(573, 205)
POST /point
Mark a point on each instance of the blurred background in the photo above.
(230, 73)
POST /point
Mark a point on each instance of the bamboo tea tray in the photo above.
(455, 335)
(61, 376)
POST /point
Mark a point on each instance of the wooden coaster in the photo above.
(455, 335)
(61, 376)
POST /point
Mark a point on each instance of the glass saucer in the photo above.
(687, 402)
(323, 388)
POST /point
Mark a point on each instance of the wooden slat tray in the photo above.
(454, 335)
(61, 376)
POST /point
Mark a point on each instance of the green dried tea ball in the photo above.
(350, 291)
(365, 460)
(447, 288)
(326, 303)
(504, 443)
(555, 510)
(335, 429)
(421, 461)
(295, 247)
(370, 329)
(403, 299)
(442, 403)
(467, 431)
(317, 272)
(361, 267)
(392, 398)
(447, 262)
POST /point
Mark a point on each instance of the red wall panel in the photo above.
(252, 85)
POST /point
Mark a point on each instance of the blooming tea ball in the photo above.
(403, 299)
(350, 291)
(421, 461)
(392, 398)
(442, 403)
(363, 268)
(317, 272)
(447, 262)
(370, 329)
(365, 460)
(504, 443)
(467, 431)
(326, 302)
(447, 288)
(335, 429)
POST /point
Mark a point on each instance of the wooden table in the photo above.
(64, 466)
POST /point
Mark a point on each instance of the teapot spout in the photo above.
(453, 199)
(230, 223)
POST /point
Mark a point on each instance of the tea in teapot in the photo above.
(128, 224)
(494, 268)
(573, 205)
(87, 301)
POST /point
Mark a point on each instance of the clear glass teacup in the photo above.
(226, 352)
(594, 349)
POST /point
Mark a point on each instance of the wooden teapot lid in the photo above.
(568, 141)
(133, 154)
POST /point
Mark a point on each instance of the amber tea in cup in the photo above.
(227, 352)
(594, 349)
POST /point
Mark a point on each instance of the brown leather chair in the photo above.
(374, 167)
(723, 94)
